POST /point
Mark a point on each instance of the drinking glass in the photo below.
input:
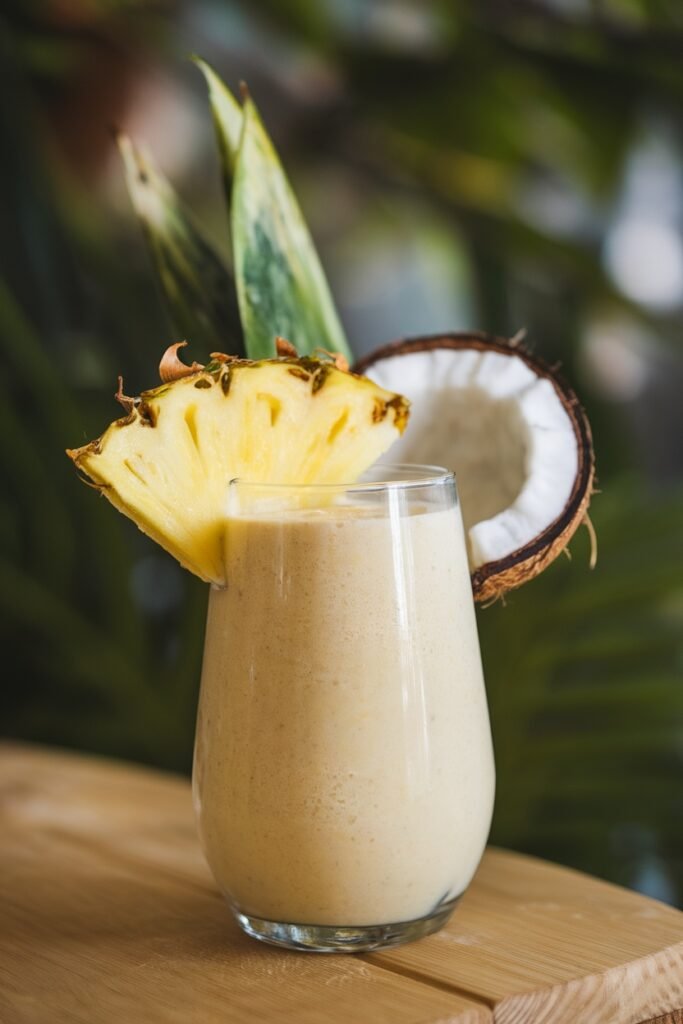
(343, 773)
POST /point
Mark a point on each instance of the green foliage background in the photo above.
(421, 133)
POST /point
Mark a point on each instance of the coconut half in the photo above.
(512, 431)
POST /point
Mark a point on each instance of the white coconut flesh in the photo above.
(501, 421)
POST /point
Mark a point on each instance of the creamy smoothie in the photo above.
(343, 766)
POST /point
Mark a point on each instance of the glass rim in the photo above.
(415, 475)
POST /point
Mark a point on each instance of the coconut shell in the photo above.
(493, 579)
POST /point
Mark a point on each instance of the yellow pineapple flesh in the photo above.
(167, 463)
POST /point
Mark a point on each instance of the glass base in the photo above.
(318, 938)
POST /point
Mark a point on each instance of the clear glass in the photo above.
(343, 774)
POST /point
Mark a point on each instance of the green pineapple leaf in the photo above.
(227, 120)
(281, 286)
(197, 288)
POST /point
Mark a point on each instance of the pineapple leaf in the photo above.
(197, 288)
(227, 119)
(281, 286)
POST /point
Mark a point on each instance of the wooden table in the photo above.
(108, 914)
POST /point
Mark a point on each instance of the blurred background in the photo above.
(483, 164)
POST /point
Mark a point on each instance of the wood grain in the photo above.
(540, 943)
(108, 913)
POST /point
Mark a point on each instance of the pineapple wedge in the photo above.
(168, 462)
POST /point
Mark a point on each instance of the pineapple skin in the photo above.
(167, 463)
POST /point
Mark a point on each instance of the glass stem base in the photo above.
(318, 938)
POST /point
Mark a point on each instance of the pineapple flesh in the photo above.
(168, 462)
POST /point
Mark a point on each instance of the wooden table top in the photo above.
(108, 914)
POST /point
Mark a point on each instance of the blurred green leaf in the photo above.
(583, 674)
(198, 290)
(49, 407)
(281, 286)
(50, 550)
(88, 650)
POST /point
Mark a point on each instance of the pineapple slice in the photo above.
(168, 462)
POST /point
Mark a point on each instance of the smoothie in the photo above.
(343, 765)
